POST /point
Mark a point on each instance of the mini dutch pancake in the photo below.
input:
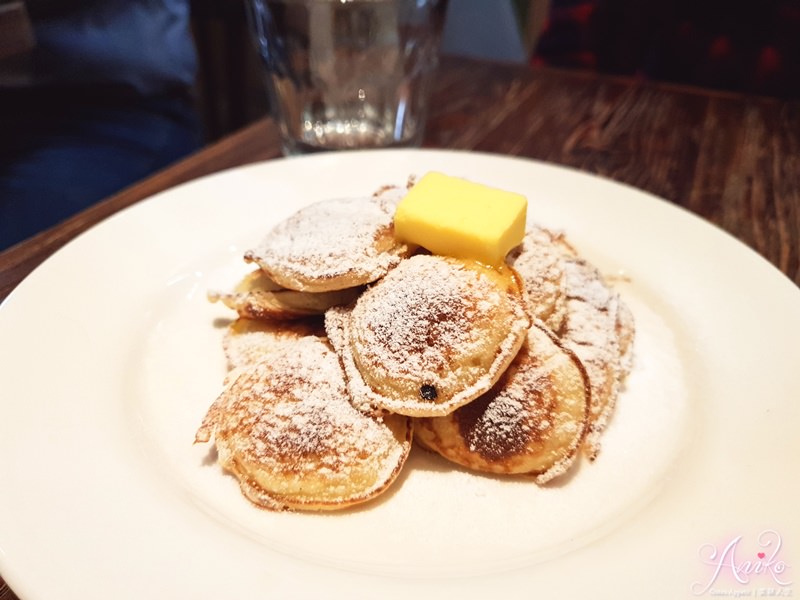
(249, 341)
(530, 423)
(258, 297)
(539, 261)
(599, 328)
(286, 429)
(592, 321)
(432, 335)
(333, 244)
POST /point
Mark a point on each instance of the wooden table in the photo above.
(732, 159)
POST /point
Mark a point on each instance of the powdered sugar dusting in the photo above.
(501, 429)
(590, 326)
(289, 421)
(433, 326)
(248, 341)
(531, 422)
(539, 261)
(594, 323)
(417, 327)
(593, 330)
(332, 244)
(530, 410)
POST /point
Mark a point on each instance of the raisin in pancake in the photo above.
(258, 297)
(248, 341)
(432, 335)
(539, 261)
(531, 422)
(333, 244)
(287, 430)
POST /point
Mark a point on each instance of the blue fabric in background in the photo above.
(55, 164)
(107, 102)
(144, 43)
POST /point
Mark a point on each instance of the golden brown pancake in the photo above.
(539, 261)
(531, 422)
(595, 323)
(249, 341)
(432, 335)
(599, 328)
(258, 297)
(333, 244)
(287, 430)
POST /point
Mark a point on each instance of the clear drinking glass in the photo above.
(346, 74)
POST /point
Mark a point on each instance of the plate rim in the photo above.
(6, 562)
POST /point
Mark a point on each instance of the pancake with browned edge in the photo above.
(286, 429)
(531, 422)
(432, 335)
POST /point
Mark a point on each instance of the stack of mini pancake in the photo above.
(349, 344)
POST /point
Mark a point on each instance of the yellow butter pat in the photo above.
(454, 217)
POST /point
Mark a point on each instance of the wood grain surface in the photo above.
(729, 158)
(732, 159)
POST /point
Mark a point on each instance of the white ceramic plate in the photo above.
(110, 355)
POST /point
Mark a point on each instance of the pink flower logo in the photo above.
(765, 566)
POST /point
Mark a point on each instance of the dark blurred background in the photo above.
(733, 45)
(122, 88)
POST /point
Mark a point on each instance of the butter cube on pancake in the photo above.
(454, 217)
